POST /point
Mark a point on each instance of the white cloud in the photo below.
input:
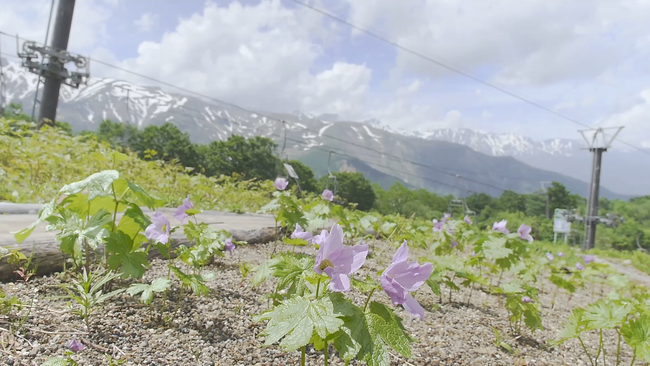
(526, 42)
(260, 56)
(635, 119)
(29, 20)
(146, 22)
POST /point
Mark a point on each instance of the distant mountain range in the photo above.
(445, 161)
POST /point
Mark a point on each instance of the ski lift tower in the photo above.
(597, 142)
(461, 203)
(283, 158)
(331, 183)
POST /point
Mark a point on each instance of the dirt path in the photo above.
(627, 269)
(14, 217)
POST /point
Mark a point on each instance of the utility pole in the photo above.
(52, 86)
(38, 82)
(548, 198)
(51, 65)
(597, 147)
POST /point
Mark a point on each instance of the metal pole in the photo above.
(38, 81)
(595, 187)
(52, 85)
(588, 208)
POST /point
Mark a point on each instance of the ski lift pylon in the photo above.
(281, 157)
(331, 183)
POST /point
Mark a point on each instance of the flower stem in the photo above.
(368, 300)
(325, 354)
(633, 359)
(600, 345)
(318, 286)
(585, 349)
(618, 348)
(302, 356)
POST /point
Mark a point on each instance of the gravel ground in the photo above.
(218, 330)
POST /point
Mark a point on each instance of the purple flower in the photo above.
(160, 228)
(402, 277)
(180, 214)
(588, 258)
(526, 299)
(338, 261)
(454, 243)
(438, 225)
(524, 232)
(75, 346)
(501, 226)
(560, 254)
(328, 195)
(299, 233)
(281, 183)
(549, 256)
(229, 246)
(580, 267)
(320, 238)
(445, 217)
(467, 220)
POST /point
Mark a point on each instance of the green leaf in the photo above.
(45, 212)
(118, 156)
(297, 318)
(637, 335)
(193, 211)
(293, 272)
(194, 282)
(367, 221)
(435, 286)
(295, 242)
(147, 290)
(264, 270)
(120, 247)
(573, 327)
(389, 326)
(55, 361)
(495, 249)
(605, 314)
(133, 221)
(365, 286)
(97, 184)
(143, 197)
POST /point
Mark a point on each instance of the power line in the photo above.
(329, 148)
(276, 119)
(453, 69)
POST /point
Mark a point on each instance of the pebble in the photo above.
(218, 329)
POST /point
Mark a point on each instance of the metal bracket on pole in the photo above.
(46, 61)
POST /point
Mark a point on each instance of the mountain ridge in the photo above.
(451, 164)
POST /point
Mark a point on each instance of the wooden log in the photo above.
(48, 258)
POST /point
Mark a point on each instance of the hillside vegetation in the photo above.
(158, 155)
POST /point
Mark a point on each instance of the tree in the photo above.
(560, 197)
(251, 157)
(306, 177)
(511, 201)
(354, 188)
(169, 143)
(115, 133)
(479, 201)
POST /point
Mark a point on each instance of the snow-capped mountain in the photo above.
(449, 161)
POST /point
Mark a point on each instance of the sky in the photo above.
(586, 59)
